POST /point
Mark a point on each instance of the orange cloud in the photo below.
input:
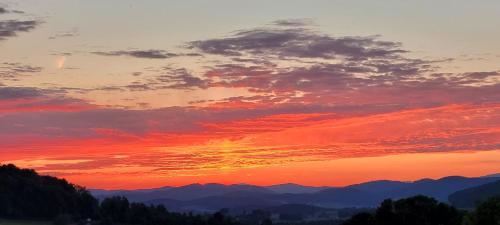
(265, 142)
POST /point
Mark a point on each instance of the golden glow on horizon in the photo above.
(339, 172)
(280, 145)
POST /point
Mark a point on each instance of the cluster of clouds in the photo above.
(297, 43)
(13, 71)
(275, 139)
(147, 54)
(289, 69)
(11, 93)
(291, 63)
(6, 11)
(290, 66)
(12, 27)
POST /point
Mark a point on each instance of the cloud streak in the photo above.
(6, 11)
(145, 54)
(11, 28)
(298, 43)
(14, 71)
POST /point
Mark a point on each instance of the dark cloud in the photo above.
(335, 70)
(138, 86)
(67, 34)
(352, 70)
(147, 54)
(5, 11)
(10, 28)
(164, 78)
(169, 79)
(317, 77)
(140, 122)
(298, 43)
(13, 71)
(322, 69)
(293, 22)
(62, 54)
(179, 79)
(481, 75)
(20, 92)
(351, 84)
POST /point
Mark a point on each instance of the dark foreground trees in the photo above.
(469, 197)
(422, 210)
(26, 195)
(117, 210)
(486, 213)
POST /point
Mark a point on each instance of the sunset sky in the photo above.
(139, 94)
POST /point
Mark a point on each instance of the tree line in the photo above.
(24, 194)
(422, 210)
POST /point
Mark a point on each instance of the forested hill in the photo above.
(26, 194)
(468, 198)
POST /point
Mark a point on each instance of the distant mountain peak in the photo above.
(453, 178)
(286, 184)
(493, 175)
(214, 196)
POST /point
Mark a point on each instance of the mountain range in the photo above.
(213, 197)
(468, 198)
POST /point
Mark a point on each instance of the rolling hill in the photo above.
(212, 197)
(24, 194)
(468, 198)
(183, 193)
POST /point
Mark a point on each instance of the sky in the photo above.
(138, 94)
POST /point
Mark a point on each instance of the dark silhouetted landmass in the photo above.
(468, 198)
(212, 197)
(291, 188)
(183, 193)
(416, 210)
(421, 210)
(25, 194)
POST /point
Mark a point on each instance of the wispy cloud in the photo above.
(11, 28)
(65, 34)
(6, 11)
(293, 22)
(14, 71)
(147, 54)
(298, 43)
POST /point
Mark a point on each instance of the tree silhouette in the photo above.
(361, 219)
(488, 212)
(25, 194)
(418, 210)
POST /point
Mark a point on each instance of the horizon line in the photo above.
(291, 183)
